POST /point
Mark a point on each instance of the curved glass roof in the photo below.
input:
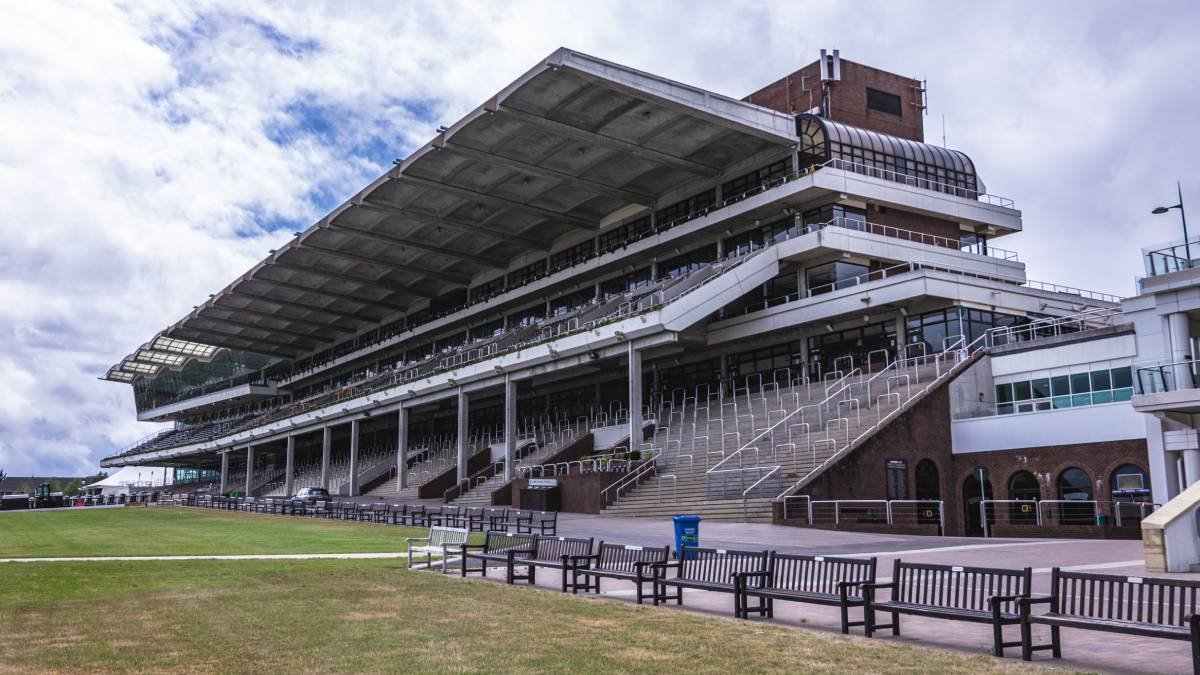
(826, 139)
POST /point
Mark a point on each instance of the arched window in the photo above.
(1074, 485)
(1023, 487)
(929, 487)
(1129, 481)
(1130, 494)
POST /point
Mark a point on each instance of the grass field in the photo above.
(370, 616)
(173, 531)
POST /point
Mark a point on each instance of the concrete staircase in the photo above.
(759, 442)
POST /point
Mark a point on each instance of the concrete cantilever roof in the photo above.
(571, 141)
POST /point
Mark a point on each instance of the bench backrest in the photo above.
(554, 548)
(515, 514)
(818, 573)
(1150, 600)
(619, 558)
(958, 587)
(495, 514)
(418, 509)
(499, 541)
(717, 565)
(398, 508)
(452, 511)
(537, 517)
(440, 536)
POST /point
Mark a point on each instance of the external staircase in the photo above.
(728, 454)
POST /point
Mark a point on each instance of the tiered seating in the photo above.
(581, 318)
(715, 448)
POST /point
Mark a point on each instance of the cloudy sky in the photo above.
(151, 151)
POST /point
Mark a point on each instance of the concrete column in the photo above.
(289, 464)
(249, 467)
(224, 472)
(462, 435)
(635, 398)
(402, 451)
(1181, 351)
(1164, 478)
(1191, 467)
(510, 427)
(720, 249)
(901, 334)
(326, 446)
(353, 491)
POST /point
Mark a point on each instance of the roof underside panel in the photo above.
(567, 144)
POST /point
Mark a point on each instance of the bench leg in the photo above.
(845, 619)
(997, 639)
(1026, 641)
(1056, 642)
(895, 623)
(564, 580)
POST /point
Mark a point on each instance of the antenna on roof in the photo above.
(944, 130)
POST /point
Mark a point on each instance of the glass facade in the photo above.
(1094, 386)
(936, 330)
(835, 276)
(857, 343)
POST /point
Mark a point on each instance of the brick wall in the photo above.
(923, 433)
(801, 90)
(915, 222)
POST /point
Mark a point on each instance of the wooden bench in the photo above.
(544, 523)
(507, 519)
(813, 579)
(492, 519)
(975, 594)
(379, 513)
(415, 515)
(552, 553)
(441, 541)
(615, 561)
(396, 513)
(706, 569)
(1146, 606)
(499, 547)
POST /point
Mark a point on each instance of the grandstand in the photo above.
(738, 294)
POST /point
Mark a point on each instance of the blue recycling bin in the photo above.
(687, 532)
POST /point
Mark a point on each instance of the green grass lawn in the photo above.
(177, 531)
(355, 615)
(373, 616)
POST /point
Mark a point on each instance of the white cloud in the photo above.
(143, 147)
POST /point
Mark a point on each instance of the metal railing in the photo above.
(1160, 378)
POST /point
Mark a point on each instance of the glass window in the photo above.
(1004, 409)
(1099, 397)
(1101, 380)
(1004, 393)
(1080, 383)
(1062, 402)
(1060, 385)
(883, 102)
(833, 276)
(1081, 399)
(1122, 394)
(1021, 391)
(1041, 388)
(1122, 377)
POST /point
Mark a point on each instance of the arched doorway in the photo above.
(1074, 488)
(1130, 489)
(1023, 486)
(929, 488)
(973, 495)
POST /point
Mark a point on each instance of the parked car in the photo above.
(311, 495)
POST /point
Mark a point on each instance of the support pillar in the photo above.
(326, 445)
(1164, 477)
(224, 473)
(462, 435)
(289, 464)
(249, 467)
(402, 451)
(635, 398)
(1191, 467)
(510, 427)
(353, 485)
(1181, 354)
